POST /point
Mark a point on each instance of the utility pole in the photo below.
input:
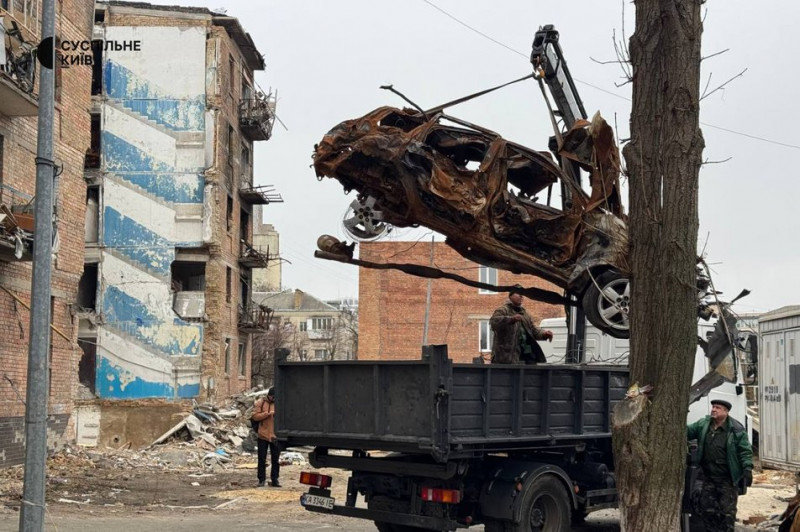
(31, 517)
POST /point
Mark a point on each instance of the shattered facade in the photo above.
(392, 303)
(18, 136)
(165, 294)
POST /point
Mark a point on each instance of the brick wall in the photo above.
(71, 139)
(223, 97)
(391, 303)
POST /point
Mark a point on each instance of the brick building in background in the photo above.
(391, 312)
(18, 131)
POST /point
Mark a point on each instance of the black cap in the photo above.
(516, 289)
(271, 391)
(720, 402)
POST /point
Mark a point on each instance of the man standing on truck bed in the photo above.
(515, 334)
(726, 458)
(264, 414)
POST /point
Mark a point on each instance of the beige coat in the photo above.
(264, 412)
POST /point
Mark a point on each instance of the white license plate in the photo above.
(307, 499)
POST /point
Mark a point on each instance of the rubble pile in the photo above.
(222, 432)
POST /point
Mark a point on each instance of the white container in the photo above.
(779, 383)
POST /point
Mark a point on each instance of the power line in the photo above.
(495, 41)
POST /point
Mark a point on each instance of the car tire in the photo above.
(606, 303)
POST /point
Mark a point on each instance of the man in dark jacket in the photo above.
(264, 414)
(726, 458)
(515, 334)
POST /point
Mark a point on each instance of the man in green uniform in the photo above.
(726, 458)
(515, 334)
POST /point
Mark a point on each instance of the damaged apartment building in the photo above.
(165, 296)
(20, 27)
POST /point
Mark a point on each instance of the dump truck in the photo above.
(438, 445)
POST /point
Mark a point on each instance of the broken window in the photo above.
(87, 363)
(231, 145)
(231, 74)
(487, 275)
(228, 284)
(227, 355)
(93, 153)
(87, 288)
(97, 65)
(92, 218)
(244, 285)
(244, 226)
(242, 361)
(245, 166)
(229, 214)
(188, 276)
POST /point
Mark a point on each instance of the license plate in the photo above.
(307, 499)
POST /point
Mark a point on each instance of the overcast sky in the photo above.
(327, 59)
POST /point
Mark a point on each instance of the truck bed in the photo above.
(433, 406)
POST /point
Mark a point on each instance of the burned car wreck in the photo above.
(493, 199)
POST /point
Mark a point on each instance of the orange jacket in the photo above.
(264, 412)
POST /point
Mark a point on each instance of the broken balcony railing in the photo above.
(257, 116)
(17, 62)
(16, 224)
(254, 318)
(260, 195)
(250, 257)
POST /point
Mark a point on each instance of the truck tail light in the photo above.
(315, 479)
(441, 495)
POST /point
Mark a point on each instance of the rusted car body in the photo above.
(491, 198)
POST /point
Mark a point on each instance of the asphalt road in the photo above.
(236, 520)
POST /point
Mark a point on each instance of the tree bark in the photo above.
(663, 161)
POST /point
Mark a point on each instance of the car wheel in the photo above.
(607, 303)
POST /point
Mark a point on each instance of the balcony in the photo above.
(260, 195)
(16, 225)
(255, 318)
(17, 67)
(250, 257)
(257, 116)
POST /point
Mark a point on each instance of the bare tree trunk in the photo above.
(663, 161)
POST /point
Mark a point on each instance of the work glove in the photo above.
(748, 477)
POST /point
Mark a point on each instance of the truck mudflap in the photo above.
(309, 501)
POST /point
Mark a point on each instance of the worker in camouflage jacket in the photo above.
(726, 459)
(515, 334)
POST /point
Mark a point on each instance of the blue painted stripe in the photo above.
(146, 99)
(189, 390)
(137, 243)
(137, 167)
(114, 382)
(130, 316)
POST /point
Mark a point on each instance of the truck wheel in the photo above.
(606, 303)
(545, 507)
